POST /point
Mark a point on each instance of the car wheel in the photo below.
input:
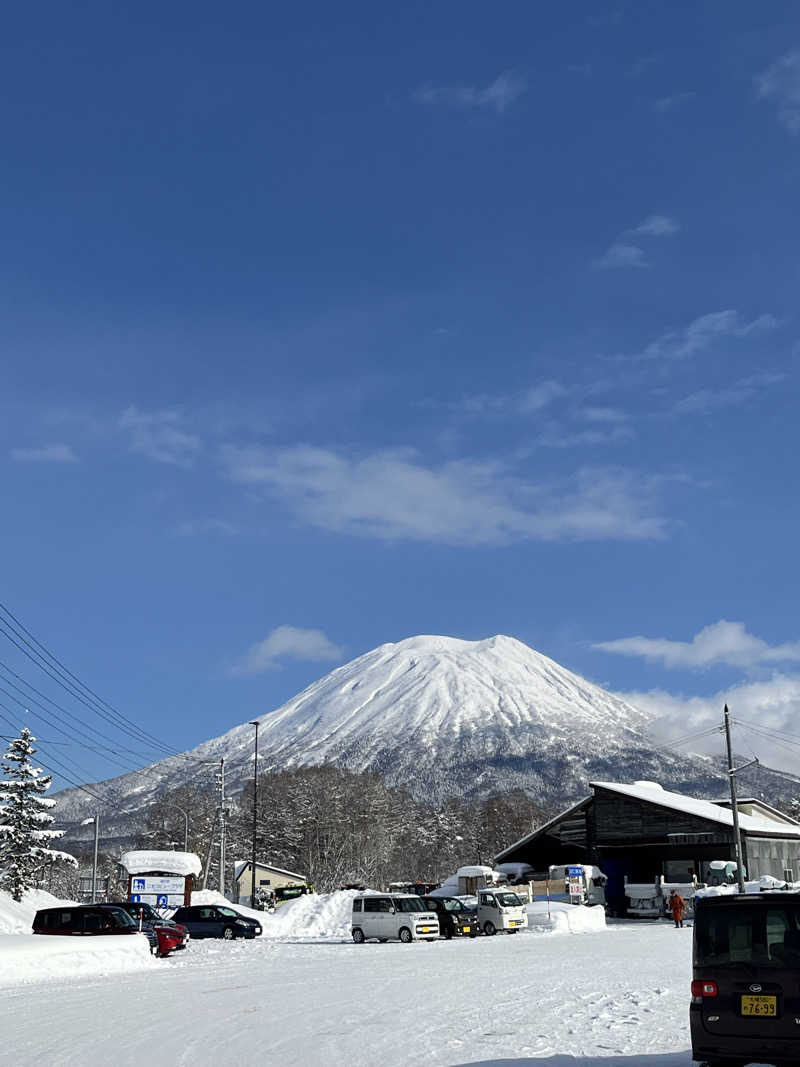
(489, 929)
(405, 935)
(358, 936)
(229, 933)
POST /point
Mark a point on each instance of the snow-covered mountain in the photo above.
(440, 717)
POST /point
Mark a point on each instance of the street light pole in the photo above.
(185, 827)
(255, 818)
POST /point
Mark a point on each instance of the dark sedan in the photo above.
(455, 918)
(215, 920)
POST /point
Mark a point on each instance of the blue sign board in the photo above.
(162, 900)
(574, 872)
(136, 898)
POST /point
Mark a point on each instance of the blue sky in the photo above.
(324, 327)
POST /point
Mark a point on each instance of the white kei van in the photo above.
(393, 917)
(498, 909)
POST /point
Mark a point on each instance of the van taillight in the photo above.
(704, 989)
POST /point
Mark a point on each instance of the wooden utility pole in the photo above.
(737, 837)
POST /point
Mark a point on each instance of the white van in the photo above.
(499, 909)
(393, 917)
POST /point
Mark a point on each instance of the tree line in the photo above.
(338, 827)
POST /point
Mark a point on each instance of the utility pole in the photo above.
(255, 818)
(737, 837)
(222, 826)
(208, 853)
(94, 861)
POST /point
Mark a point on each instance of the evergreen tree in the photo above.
(25, 819)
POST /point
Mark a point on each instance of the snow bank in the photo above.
(564, 918)
(17, 918)
(142, 862)
(36, 957)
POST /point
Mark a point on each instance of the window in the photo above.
(409, 904)
(356, 905)
(749, 933)
(371, 904)
(453, 905)
(384, 904)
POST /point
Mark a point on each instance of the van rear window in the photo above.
(768, 936)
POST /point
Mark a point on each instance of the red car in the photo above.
(165, 935)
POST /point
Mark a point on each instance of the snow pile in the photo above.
(143, 862)
(313, 915)
(36, 957)
(211, 896)
(18, 918)
(564, 918)
(764, 884)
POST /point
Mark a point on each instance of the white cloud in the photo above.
(498, 96)
(703, 332)
(721, 643)
(45, 454)
(772, 704)
(656, 226)
(287, 642)
(621, 255)
(392, 495)
(160, 436)
(781, 84)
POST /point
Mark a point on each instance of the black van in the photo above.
(746, 980)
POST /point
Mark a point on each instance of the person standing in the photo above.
(677, 905)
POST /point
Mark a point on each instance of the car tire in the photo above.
(489, 928)
(228, 933)
(358, 935)
(405, 936)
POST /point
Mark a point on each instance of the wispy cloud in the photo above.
(393, 495)
(287, 642)
(706, 401)
(780, 83)
(703, 332)
(721, 643)
(45, 454)
(656, 226)
(540, 396)
(669, 103)
(625, 253)
(498, 96)
(161, 436)
(621, 255)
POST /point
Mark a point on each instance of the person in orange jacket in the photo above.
(677, 905)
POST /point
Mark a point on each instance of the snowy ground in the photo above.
(616, 997)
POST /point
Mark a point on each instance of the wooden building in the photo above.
(640, 832)
(268, 879)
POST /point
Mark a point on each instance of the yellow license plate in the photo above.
(759, 1005)
(465, 929)
(425, 929)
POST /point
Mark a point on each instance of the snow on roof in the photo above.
(474, 872)
(142, 862)
(240, 866)
(703, 809)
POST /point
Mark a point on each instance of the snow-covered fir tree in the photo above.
(25, 819)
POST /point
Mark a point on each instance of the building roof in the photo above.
(652, 793)
(765, 809)
(240, 866)
(145, 861)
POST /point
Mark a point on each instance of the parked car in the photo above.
(499, 909)
(455, 918)
(83, 919)
(165, 935)
(393, 917)
(745, 997)
(216, 920)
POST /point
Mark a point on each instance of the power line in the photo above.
(92, 703)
